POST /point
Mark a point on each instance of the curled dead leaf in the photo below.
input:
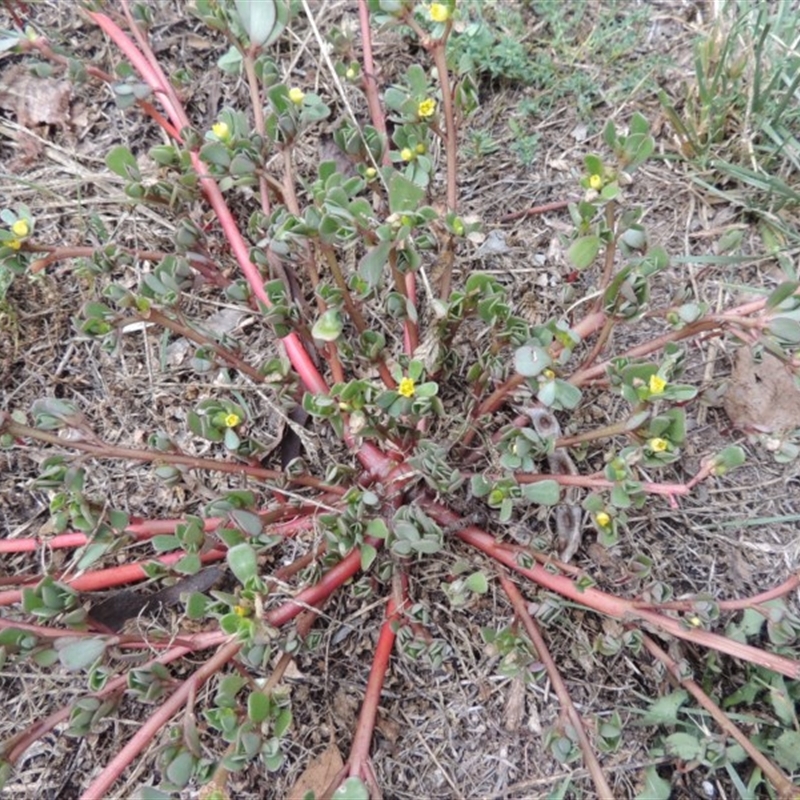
(318, 774)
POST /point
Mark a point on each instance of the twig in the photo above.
(530, 212)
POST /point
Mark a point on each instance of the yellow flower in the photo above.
(657, 384)
(21, 228)
(232, 420)
(426, 108)
(658, 445)
(548, 374)
(603, 520)
(221, 131)
(406, 154)
(596, 182)
(439, 12)
(350, 74)
(406, 387)
(241, 611)
(296, 95)
(14, 244)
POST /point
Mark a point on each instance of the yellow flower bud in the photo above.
(296, 95)
(603, 519)
(350, 73)
(21, 228)
(421, 149)
(406, 154)
(370, 172)
(596, 182)
(14, 244)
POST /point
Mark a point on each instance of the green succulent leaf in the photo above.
(80, 653)
(328, 328)
(583, 251)
(264, 20)
(243, 562)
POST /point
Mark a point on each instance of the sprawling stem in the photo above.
(739, 604)
(370, 78)
(314, 595)
(258, 119)
(141, 530)
(543, 653)
(608, 258)
(115, 576)
(103, 450)
(438, 50)
(106, 779)
(359, 753)
(786, 789)
(158, 317)
(605, 603)
(13, 749)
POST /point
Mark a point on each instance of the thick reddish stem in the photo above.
(314, 595)
(370, 79)
(100, 786)
(359, 752)
(786, 791)
(739, 604)
(114, 576)
(142, 530)
(373, 460)
(602, 602)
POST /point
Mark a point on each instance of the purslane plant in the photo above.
(406, 374)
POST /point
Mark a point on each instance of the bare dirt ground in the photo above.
(460, 730)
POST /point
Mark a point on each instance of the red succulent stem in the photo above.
(114, 576)
(371, 457)
(112, 771)
(142, 530)
(327, 584)
(370, 78)
(359, 752)
(12, 749)
(602, 602)
(543, 653)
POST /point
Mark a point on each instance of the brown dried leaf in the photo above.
(318, 774)
(761, 397)
(35, 101)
